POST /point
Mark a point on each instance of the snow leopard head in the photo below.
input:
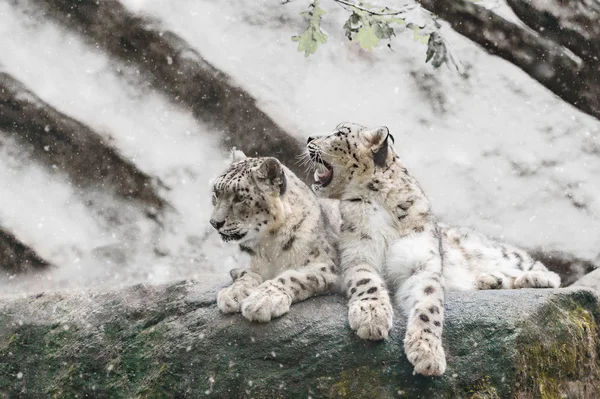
(348, 155)
(246, 197)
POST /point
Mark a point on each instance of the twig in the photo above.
(406, 8)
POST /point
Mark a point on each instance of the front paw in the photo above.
(229, 299)
(425, 352)
(371, 319)
(266, 303)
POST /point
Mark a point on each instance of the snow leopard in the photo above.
(390, 240)
(289, 233)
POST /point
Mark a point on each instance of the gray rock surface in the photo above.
(172, 341)
(590, 280)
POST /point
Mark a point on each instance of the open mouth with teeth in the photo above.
(323, 175)
(232, 236)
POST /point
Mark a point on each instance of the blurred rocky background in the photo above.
(114, 116)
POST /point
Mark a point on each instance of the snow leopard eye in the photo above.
(238, 198)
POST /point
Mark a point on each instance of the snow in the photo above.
(160, 138)
(25, 205)
(494, 151)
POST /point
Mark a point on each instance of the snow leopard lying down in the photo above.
(290, 235)
(391, 240)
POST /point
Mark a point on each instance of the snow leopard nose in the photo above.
(310, 138)
(216, 225)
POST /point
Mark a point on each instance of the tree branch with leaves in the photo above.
(368, 25)
(560, 47)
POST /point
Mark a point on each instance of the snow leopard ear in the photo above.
(271, 173)
(377, 140)
(237, 155)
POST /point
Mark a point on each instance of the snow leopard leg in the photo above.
(230, 298)
(370, 310)
(425, 309)
(517, 269)
(362, 251)
(273, 298)
(421, 296)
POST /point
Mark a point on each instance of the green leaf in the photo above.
(366, 5)
(367, 37)
(383, 30)
(429, 54)
(352, 25)
(419, 36)
(396, 20)
(436, 50)
(309, 40)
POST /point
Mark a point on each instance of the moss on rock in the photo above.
(483, 389)
(557, 352)
(360, 382)
(172, 341)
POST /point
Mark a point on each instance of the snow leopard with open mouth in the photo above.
(391, 240)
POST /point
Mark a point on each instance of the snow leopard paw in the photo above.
(266, 303)
(490, 281)
(425, 352)
(229, 299)
(371, 318)
(538, 279)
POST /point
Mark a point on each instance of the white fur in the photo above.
(404, 255)
(236, 155)
(371, 220)
(230, 298)
(389, 229)
(373, 324)
(293, 253)
(263, 305)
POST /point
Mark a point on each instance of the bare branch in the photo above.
(406, 8)
(544, 60)
(574, 23)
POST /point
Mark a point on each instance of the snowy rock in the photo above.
(172, 341)
(569, 267)
(590, 280)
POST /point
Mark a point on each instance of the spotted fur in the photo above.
(290, 235)
(391, 240)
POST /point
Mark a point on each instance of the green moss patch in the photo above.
(557, 353)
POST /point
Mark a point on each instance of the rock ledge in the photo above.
(171, 341)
